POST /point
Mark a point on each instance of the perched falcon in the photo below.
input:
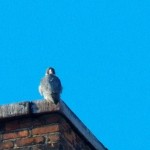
(50, 86)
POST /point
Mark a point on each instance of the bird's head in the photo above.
(50, 70)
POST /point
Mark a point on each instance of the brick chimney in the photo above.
(40, 125)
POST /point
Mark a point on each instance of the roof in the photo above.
(40, 107)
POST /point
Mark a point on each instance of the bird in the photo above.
(50, 86)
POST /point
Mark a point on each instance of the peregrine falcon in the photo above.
(50, 86)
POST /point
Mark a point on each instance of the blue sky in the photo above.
(101, 52)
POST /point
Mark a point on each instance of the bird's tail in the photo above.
(56, 97)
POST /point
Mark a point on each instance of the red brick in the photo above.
(6, 145)
(28, 122)
(45, 129)
(69, 134)
(15, 135)
(12, 125)
(25, 123)
(53, 119)
(30, 141)
(54, 138)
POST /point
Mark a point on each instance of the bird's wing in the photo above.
(55, 84)
(40, 90)
(45, 85)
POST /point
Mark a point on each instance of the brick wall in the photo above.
(42, 126)
(50, 131)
